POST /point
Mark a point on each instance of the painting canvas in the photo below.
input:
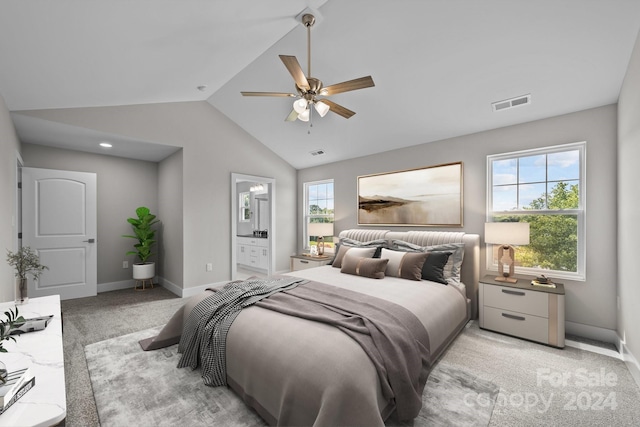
(430, 196)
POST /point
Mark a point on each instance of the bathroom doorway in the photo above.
(252, 226)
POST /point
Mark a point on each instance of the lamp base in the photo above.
(508, 279)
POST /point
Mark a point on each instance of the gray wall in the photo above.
(213, 148)
(629, 209)
(170, 209)
(592, 302)
(122, 186)
(9, 148)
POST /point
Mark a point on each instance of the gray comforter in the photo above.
(391, 336)
(294, 371)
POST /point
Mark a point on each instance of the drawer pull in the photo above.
(507, 291)
(511, 316)
(304, 262)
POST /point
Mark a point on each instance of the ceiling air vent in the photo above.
(513, 102)
(317, 152)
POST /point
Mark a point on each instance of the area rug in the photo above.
(134, 387)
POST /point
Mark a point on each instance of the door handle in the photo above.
(89, 241)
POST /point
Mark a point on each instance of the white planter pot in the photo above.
(144, 271)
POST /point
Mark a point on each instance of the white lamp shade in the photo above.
(321, 229)
(321, 108)
(304, 116)
(506, 233)
(300, 105)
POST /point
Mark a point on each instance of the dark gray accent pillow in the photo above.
(433, 267)
(366, 267)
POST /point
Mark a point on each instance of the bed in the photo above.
(295, 371)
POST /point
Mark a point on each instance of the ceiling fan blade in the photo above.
(295, 69)
(292, 116)
(338, 109)
(268, 94)
(361, 83)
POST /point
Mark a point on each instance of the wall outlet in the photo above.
(209, 266)
(125, 264)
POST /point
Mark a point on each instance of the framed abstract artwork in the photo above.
(429, 196)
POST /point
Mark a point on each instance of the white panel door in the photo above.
(59, 222)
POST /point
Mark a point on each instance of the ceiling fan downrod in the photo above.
(308, 20)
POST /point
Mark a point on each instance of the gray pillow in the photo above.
(358, 252)
(452, 268)
(365, 267)
(378, 244)
(407, 265)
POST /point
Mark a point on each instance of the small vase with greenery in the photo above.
(26, 262)
(143, 233)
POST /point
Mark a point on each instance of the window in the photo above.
(544, 187)
(318, 208)
(245, 206)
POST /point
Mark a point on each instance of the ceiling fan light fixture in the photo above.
(321, 108)
(300, 105)
(304, 116)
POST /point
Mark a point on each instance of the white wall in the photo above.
(9, 147)
(591, 303)
(170, 209)
(629, 212)
(122, 186)
(213, 148)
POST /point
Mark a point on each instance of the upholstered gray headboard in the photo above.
(470, 273)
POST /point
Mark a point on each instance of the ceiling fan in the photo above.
(309, 89)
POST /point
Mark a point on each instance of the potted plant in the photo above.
(25, 261)
(145, 235)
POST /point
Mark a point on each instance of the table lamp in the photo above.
(320, 229)
(506, 234)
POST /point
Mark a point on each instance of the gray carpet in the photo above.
(508, 362)
(545, 386)
(134, 387)
(93, 319)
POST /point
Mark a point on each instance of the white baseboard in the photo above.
(114, 286)
(170, 286)
(632, 363)
(189, 292)
(591, 332)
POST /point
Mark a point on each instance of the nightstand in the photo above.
(523, 310)
(302, 262)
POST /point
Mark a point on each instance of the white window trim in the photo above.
(580, 275)
(305, 216)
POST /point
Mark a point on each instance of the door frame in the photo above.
(271, 185)
(17, 218)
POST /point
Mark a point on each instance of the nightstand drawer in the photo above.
(518, 324)
(303, 264)
(520, 300)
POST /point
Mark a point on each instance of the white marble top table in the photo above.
(46, 403)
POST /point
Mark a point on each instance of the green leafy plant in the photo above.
(5, 327)
(26, 261)
(144, 233)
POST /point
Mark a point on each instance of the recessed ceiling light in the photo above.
(105, 145)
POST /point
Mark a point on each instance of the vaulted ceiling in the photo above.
(437, 65)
